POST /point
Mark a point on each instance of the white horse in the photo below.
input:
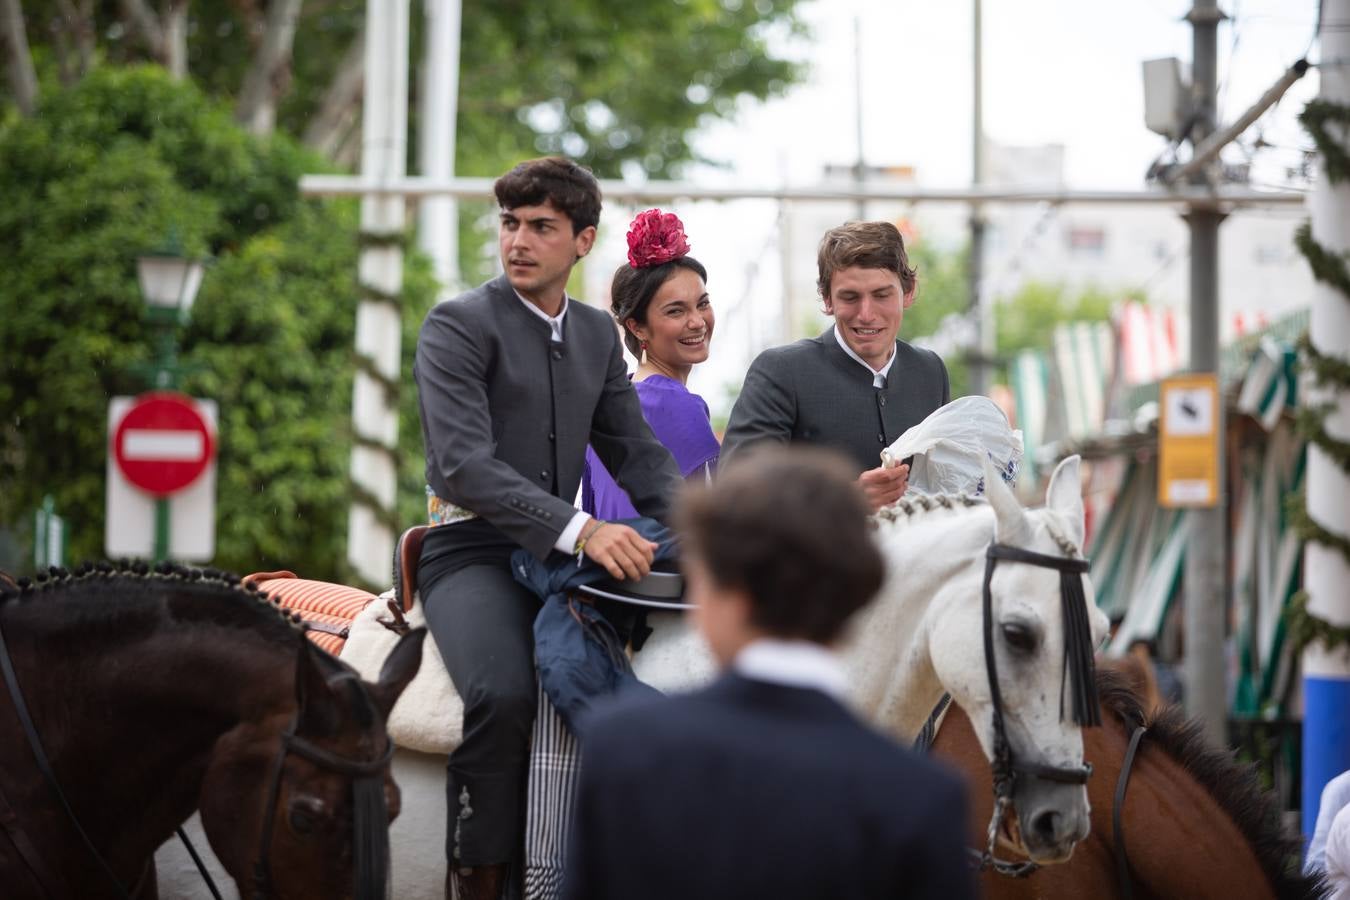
(922, 636)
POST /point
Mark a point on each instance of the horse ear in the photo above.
(312, 693)
(1010, 521)
(399, 668)
(1065, 496)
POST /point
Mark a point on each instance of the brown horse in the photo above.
(154, 694)
(1195, 823)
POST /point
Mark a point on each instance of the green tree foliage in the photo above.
(1024, 321)
(942, 289)
(105, 171)
(1027, 319)
(609, 82)
(942, 292)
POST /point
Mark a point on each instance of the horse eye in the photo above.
(1019, 637)
(303, 815)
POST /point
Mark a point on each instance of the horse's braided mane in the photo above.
(124, 573)
(910, 506)
(1235, 787)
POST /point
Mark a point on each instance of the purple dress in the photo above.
(679, 419)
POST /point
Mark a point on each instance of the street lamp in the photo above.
(169, 280)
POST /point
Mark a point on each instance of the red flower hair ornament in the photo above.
(655, 238)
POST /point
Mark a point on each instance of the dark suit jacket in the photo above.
(748, 790)
(507, 413)
(812, 391)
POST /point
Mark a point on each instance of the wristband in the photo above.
(586, 534)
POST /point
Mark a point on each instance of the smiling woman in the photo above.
(660, 300)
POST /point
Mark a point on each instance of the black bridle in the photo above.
(1078, 669)
(367, 781)
(367, 778)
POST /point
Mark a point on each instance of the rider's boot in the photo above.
(476, 883)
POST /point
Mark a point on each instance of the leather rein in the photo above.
(50, 879)
(1007, 768)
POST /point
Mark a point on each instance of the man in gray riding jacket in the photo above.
(514, 379)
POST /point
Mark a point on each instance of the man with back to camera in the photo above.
(764, 784)
(856, 387)
(514, 379)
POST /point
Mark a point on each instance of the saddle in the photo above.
(361, 628)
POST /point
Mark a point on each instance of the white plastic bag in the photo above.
(949, 445)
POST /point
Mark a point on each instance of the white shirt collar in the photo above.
(878, 375)
(555, 323)
(801, 664)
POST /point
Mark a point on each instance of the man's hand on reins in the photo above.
(883, 486)
(622, 551)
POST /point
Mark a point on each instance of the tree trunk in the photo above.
(77, 25)
(145, 24)
(22, 78)
(175, 38)
(269, 76)
(60, 45)
(326, 130)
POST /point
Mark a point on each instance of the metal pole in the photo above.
(438, 217)
(655, 192)
(981, 370)
(859, 168)
(1326, 672)
(1206, 589)
(161, 529)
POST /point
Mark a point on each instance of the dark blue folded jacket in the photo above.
(579, 654)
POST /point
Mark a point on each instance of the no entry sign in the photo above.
(163, 444)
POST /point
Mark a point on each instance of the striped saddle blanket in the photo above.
(328, 609)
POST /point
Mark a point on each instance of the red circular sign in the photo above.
(163, 443)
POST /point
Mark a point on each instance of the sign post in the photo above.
(1188, 441)
(161, 444)
(49, 536)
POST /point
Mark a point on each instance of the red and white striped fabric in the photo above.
(1152, 342)
(317, 602)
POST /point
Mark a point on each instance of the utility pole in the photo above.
(438, 220)
(981, 370)
(1206, 573)
(384, 137)
(1326, 670)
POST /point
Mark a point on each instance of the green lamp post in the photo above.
(169, 280)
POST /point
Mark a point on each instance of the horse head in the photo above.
(297, 804)
(1029, 701)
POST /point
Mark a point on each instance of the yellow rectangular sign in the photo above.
(1188, 441)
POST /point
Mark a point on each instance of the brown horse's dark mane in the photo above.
(1235, 786)
(243, 604)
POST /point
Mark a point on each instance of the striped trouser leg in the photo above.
(554, 766)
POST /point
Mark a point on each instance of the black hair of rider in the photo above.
(569, 187)
(632, 291)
